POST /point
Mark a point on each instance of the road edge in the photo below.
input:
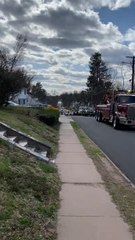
(121, 190)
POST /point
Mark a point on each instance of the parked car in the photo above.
(86, 111)
(13, 104)
(81, 111)
(91, 111)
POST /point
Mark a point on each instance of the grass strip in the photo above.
(121, 191)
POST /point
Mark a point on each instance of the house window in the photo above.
(21, 101)
(25, 91)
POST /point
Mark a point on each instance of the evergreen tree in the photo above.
(99, 81)
(39, 92)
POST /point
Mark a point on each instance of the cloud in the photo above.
(115, 54)
(62, 36)
(11, 8)
(130, 35)
(66, 21)
(121, 4)
(65, 28)
(17, 8)
(130, 39)
(96, 4)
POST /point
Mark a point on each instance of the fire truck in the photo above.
(119, 111)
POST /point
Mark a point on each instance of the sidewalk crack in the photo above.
(85, 183)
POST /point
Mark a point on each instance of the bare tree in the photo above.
(21, 43)
(12, 77)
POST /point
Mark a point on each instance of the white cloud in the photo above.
(120, 4)
(62, 35)
(130, 38)
(92, 4)
(130, 35)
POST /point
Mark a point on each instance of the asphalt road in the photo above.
(118, 145)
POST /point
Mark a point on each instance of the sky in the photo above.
(63, 35)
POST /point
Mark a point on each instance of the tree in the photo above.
(99, 81)
(52, 99)
(21, 43)
(38, 92)
(12, 77)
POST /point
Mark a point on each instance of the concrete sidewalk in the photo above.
(86, 212)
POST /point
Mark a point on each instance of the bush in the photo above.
(50, 115)
(49, 120)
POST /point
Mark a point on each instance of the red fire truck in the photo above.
(119, 111)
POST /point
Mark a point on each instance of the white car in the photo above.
(10, 103)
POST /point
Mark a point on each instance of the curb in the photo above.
(109, 160)
(113, 164)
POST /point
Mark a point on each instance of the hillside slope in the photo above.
(29, 189)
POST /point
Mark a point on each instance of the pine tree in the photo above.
(99, 81)
(39, 92)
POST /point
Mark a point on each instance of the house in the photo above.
(24, 99)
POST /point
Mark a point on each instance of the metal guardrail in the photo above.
(25, 142)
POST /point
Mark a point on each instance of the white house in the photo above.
(24, 99)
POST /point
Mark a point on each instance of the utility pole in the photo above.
(133, 72)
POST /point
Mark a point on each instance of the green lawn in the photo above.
(29, 189)
(28, 123)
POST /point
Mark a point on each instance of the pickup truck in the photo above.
(120, 111)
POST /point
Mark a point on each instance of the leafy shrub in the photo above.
(50, 115)
(49, 120)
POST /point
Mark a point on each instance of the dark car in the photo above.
(86, 111)
(91, 111)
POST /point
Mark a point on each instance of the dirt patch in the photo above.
(113, 171)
